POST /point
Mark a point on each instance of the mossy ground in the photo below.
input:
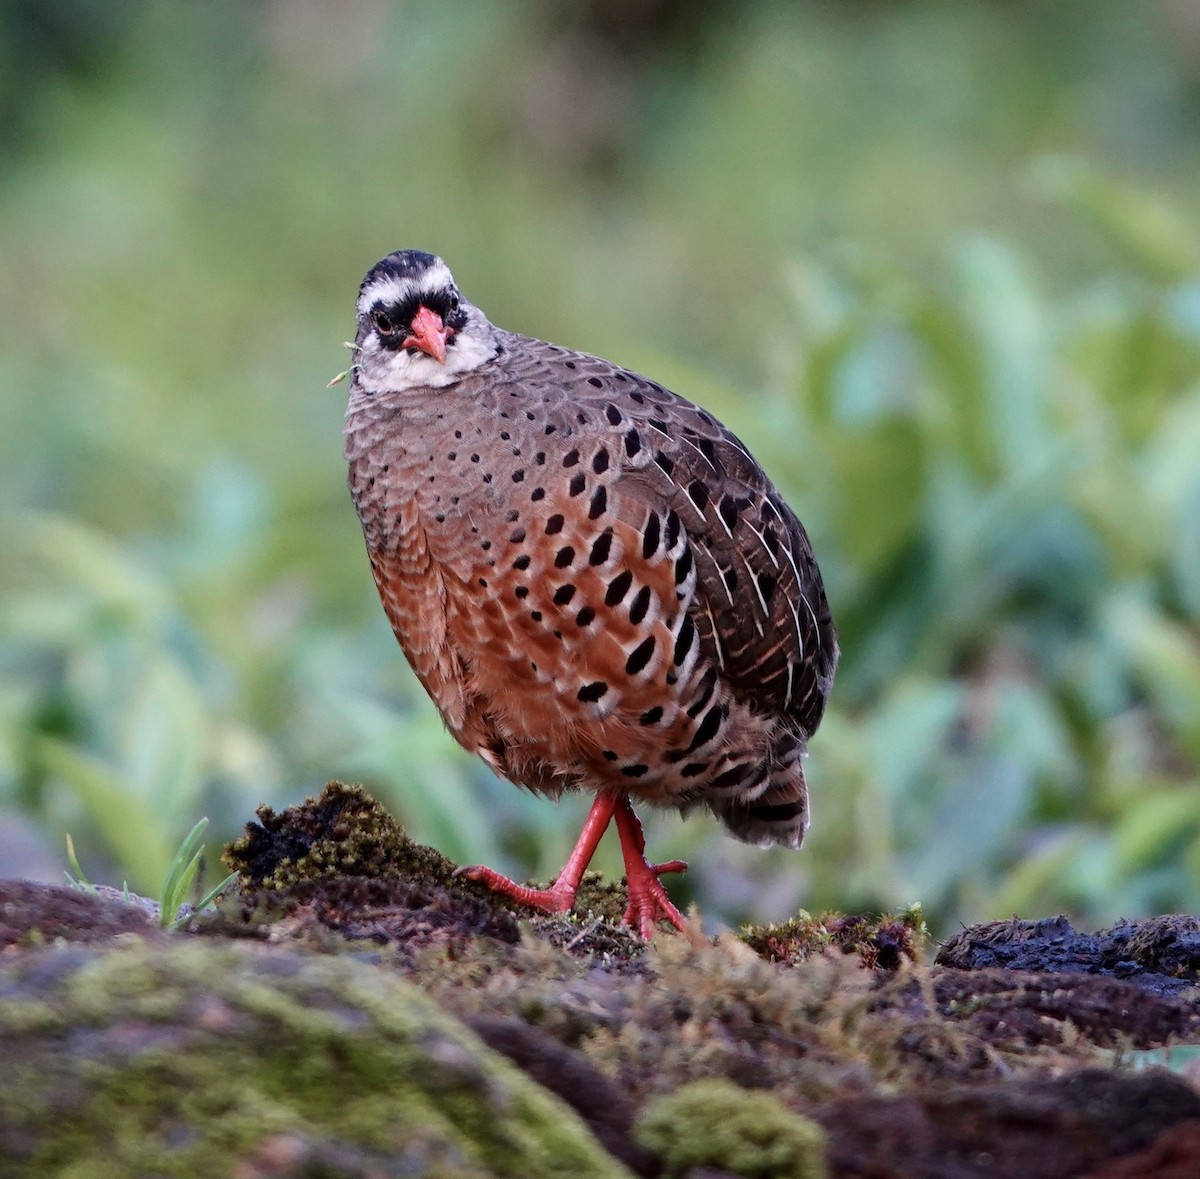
(191, 1058)
(822, 1045)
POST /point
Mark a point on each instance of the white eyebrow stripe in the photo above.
(390, 288)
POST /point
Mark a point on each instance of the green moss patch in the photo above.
(196, 1059)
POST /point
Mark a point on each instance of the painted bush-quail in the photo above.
(591, 576)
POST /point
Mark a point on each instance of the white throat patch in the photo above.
(384, 370)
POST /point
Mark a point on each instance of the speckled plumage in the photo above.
(593, 579)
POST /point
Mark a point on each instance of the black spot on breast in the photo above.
(592, 692)
(598, 504)
(766, 585)
(521, 562)
(571, 458)
(536, 615)
(693, 769)
(705, 447)
(585, 616)
(596, 381)
(601, 548)
(610, 755)
(730, 577)
(522, 591)
(635, 771)
(577, 484)
(539, 459)
(708, 685)
(517, 536)
(538, 493)
(707, 728)
(683, 566)
(651, 716)
(613, 414)
(651, 536)
(674, 527)
(640, 656)
(518, 476)
(683, 640)
(698, 494)
(771, 539)
(600, 461)
(618, 588)
(564, 557)
(730, 777)
(640, 605)
(569, 363)
(666, 465)
(555, 524)
(727, 509)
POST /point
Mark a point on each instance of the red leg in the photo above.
(560, 896)
(648, 900)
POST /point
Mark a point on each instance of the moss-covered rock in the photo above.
(879, 941)
(714, 1123)
(343, 832)
(194, 1059)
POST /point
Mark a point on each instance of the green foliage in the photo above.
(877, 240)
(177, 884)
(181, 875)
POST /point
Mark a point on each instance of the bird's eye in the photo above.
(453, 300)
(382, 321)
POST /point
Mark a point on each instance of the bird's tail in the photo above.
(775, 810)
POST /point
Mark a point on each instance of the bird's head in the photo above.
(414, 327)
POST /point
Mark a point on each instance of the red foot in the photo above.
(555, 899)
(648, 900)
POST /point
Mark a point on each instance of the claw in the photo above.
(648, 901)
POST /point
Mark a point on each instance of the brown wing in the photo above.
(759, 605)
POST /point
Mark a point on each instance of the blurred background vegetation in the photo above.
(937, 262)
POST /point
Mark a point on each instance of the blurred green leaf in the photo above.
(1156, 828)
(136, 833)
(1151, 232)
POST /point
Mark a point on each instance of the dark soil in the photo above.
(1024, 1049)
